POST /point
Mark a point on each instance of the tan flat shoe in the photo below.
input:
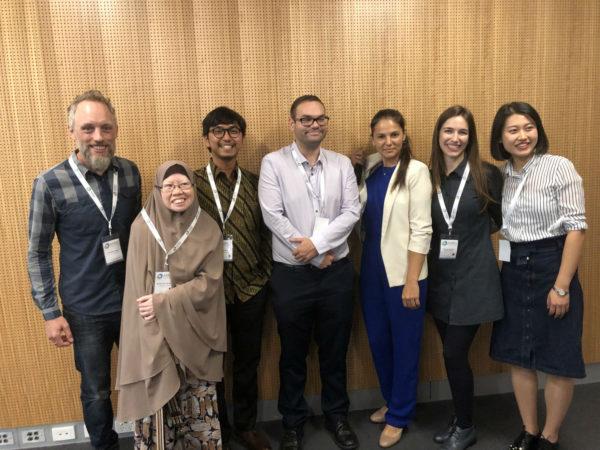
(379, 415)
(390, 436)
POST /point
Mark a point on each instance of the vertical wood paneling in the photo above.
(166, 63)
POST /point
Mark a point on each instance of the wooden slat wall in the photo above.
(166, 63)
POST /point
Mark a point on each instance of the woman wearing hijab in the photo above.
(173, 332)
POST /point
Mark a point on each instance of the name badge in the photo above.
(228, 248)
(448, 247)
(320, 224)
(504, 250)
(162, 282)
(111, 246)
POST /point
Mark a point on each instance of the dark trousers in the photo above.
(457, 340)
(93, 340)
(309, 300)
(245, 320)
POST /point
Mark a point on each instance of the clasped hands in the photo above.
(305, 251)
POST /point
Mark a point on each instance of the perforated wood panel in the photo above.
(166, 63)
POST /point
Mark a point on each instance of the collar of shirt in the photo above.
(511, 172)
(218, 172)
(321, 159)
(459, 170)
(84, 170)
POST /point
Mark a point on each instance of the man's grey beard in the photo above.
(97, 164)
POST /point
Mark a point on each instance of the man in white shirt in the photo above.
(309, 200)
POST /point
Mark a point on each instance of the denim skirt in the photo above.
(527, 336)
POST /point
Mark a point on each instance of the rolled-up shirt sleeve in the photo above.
(272, 205)
(570, 197)
(42, 218)
(419, 212)
(337, 231)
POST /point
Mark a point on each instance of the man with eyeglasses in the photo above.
(89, 201)
(229, 194)
(309, 200)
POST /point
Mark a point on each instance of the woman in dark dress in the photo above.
(464, 280)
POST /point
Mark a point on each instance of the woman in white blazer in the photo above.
(396, 231)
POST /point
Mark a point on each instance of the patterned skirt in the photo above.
(189, 420)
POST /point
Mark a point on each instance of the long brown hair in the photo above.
(405, 151)
(438, 165)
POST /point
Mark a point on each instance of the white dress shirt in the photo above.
(288, 208)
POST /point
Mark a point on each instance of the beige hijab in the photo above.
(190, 318)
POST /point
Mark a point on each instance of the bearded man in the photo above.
(89, 201)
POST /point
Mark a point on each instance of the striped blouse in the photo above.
(551, 202)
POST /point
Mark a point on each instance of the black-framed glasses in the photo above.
(170, 187)
(219, 132)
(307, 121)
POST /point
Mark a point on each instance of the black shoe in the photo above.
(545, 444)
(291, 440)
(342, 434)
(460, 438)
(443, 435)
(525, 441)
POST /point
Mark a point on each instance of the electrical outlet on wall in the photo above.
(32, 435)
(65, 433)
(6, 438)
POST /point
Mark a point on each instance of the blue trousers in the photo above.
(93, 340)
(394, 334)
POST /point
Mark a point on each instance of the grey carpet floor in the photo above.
(496, 418)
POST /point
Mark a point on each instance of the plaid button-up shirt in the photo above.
(60, 205)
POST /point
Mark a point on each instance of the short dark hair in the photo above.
(223, 115)
(302, 99)
(504, 112)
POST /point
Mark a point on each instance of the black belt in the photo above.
(557, 242)
(305, 267)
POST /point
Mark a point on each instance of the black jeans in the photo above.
(306, 300)
(457, 340)
(245, 321)
(93, 340)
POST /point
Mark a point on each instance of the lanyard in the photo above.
(515, 199)
(178, 244)
(236, 191)
(450, 219)
(318, 201)
(92, 194)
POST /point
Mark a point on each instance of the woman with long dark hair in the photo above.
(464, 280)
(544, 225)
(396, 231)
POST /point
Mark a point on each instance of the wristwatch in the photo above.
(560, 292)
